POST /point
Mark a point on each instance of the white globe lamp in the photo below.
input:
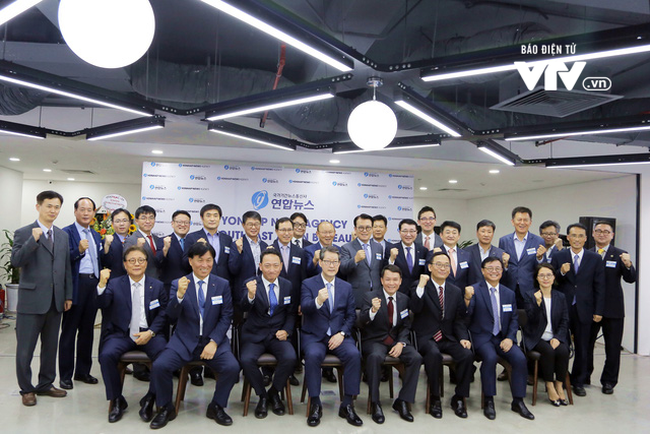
(372, 125)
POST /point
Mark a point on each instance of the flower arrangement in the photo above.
(102, 223)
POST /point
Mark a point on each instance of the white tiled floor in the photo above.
(84, 410)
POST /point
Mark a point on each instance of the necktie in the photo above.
(426, 242)
(600, 252)
(182, 242)
(409, 259)
(297, 243)
(438, 336)
(330, 295)
(496, 328)
(92, 252)
(201, 297)
(285, 257)
(273, 300)
(576, 263)
(391, 311)
(49, 240)
(452, 260)
(151, 244)
(136, 310)
(366, 248)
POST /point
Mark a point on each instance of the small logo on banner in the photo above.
(153, 164)
(260, 199)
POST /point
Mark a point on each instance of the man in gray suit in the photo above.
(145, 218)
(362, 259)
(45, 291)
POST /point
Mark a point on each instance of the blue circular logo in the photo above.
(264, 180)
(358, 206)
(399, 208)
(365, 195)
(290, 181)
(144, 175)
(191, 176)
(365, 173)
(226, 167)
(390, 175)
(390, 218)
(218, 178)
(151, 186)
(333, 182)
(253, 168)
(358, 184)
(153, 164)
(191, 200)
(260, 199)
(180, 164)
(390, 197)
(297, 170)
(399, 187)
(179, 187)
(144, 197)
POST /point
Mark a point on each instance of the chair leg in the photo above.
(339, 373)
(390, 382)
(569, 393)
(308, 406)
(535, 373)
(441, 379)
(247, 396)
(182, 385)
(288, 395)
(304, 391)
(428, 399)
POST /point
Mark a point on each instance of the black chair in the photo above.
(128, 358)
(269, 360)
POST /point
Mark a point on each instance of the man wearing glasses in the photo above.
(299, 227)
(145, 219)
(326, 233)
(173, 246)
(245, 255)
(550, 233)
(427, 222)
(407, 255)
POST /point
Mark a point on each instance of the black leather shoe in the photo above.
(261, 411)
(579, 390)
(119, 405)
(520, 407)
(195, 378)
(488, 410)
(66, 384)
(146, 407)
(277, 406)
(164, 415)
(347, 412)
(328, 374)
(608, 389)
(217, 413)
(377, 413)
(503, 376)
(315, 413)
(435, 408)
(402, 408)
(294, 381)
(267, 380)
(142, 374)
(88, 379)
(458, 404)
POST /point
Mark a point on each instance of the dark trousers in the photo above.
(28, 329)
(283, 352)
(78, 325)
(315, 350)
(112, 349)
(375, 354)
(463, 359)
(489, 353)
(613, 336)
(581, 332)
(553, 361)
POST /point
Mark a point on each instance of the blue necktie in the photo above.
(182, 241)
(366, 248)
(576, 263)
(201, 297)
(330, 296)
(92, 251)
(273, 300)
(409, 259)
(496, 328)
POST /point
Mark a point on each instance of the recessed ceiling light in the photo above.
(494, 171)
(453, 181)
(14, 159)
(70, 179)
(157, 151)
(335, 161)
(423, 188)
(47, 170)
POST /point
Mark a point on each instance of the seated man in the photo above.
(327, 304)
(386, 324)
(201, 305)
(272, 311)
(136, 321)
(492, 309)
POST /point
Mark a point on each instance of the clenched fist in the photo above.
(104, 275)
(36, 233)
(183, 282)
(251, 285)
(566, 267)
(360, 256)
(469, 292)
(376, 304)
(322, 296)
(541, 251)
(141, 242)
(393, 254)
(424, 278)
(83, 245)
(538, 297)
(240, 244)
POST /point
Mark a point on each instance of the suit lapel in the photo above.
(126, 289)
(484, 292)
(148, 293)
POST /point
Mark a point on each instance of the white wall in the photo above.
(11, 183)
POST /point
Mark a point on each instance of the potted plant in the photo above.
(11, 274)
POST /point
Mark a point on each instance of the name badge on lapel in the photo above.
(403, 314)
(226, 250)
(217, 299)
(610, 264)
(287, 299)
(378, 256)
(531, 251)
(421, 262)
(507, 308)
(296, 260)
(463, 265)
(154, 304)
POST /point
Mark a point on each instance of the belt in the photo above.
(88, 276)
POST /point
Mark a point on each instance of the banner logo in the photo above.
(260, 199)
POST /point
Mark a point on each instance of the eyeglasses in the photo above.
(493, 269)
(299, 225)
(253, 224)
(545, 276)
(285, 230)
(182, 222)
(441, 265)
(133, 261)
(364, 228)
(408, 232)
(601, 232)
(330, 263)
(549, 234)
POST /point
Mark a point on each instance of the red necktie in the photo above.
(438, 336)
(153, 247)
(426, 243)
(391, 311)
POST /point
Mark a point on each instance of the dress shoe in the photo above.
(347, 412)
(294, 381)
(587, 382)
(208, 373)
(520, 407)
(555, 403)
(88, 379)
(435, 408)
(261, 411)
(220, 416)
(488, 410)
(402, 408)
(146, 407)
(503, 376)
(458, 404)
(328, 374)
(277, 406)
(267, 380)
(29, 399)
(315, 413)
(142, 375)
(66, 384)
(608, 389)
(196, 379)
(377, 413)
(579, 390)
(53, 392)
(117, 410)
(164, 415)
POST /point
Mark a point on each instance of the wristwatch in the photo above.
(342, 333)
(152, 333)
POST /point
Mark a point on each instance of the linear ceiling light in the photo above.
(388, 148)
(251, 135)
(422, 108)
(318, 53)
(512, 138)
(22, 130)
(16, 8)
(496, 153)
(127, 127)
(598, 161)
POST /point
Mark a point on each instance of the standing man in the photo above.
(145, 219)
(293, 257)
(328, 312)
(478, 252)
(326, 234)
(385, 331)
(173, 265)
(440, 327)
(114, 243)
(427, 221)
(137, 322)
(460, 259)
(299, 227)
(245, 255)
(581, 277)
(407, 255)
(272, 308)
(220, 241)
(201, 305)
(617, 264)
(42, 252)
(550, 233)
(379, 228)
(79, 321)
(362, 260)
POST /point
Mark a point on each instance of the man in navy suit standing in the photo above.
(581, 278)
(484, 248)
(114, 243)
(79, 321)
(326, 234)
(145, 219)
(460, 259)
(201, 305)
(137, 319)
(299, 228)
(379, 228)
(327, 304)
(173, 266)
(550, 232)
(492, 309)
(220, 241)
(409, 256)
(427, 221)
(293, 257)
(245, 255)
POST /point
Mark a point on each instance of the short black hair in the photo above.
(120, 211)
(144, 209)
(576, 225)
(407, 222)
(134, 248)
(541, 267)
(76, 204)
(489, 260)
(362, 217)
(451, 224)
(438, 253)
(281, 220)
(523, 210)
(299, 214)
(181, 212)
(391, 267)
(248, 215)
(209, 207)
(380, 218)
(200, 249)
(548, 224)
(486, 223)
(604, 222)
(330, 249)
(48, 194)
(270, 251)
(426, 208)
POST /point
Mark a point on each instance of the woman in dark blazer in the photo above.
(547, 331)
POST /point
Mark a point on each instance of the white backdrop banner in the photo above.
(274, 191)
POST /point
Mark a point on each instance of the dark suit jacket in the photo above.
(420, 254)
(463, 264)
(154, 261)
(242, 266)
(379, 328)
(521, 270)
(482, 318)
(537, 320)
(313, 270)
(316, 321)
(42, 271)
(475, 274)
(172, 266)
(297, 268)
(588, 286)
(361, 275)
(216, 315)
(428, 317)
(550, 253)
(113, 259)
(259, 325)
(117, 299)
(75, 255)
(220, 266)
(614, 270)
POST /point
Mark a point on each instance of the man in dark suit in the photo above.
(136, 322)
(173, 266)
(245, 255)
(407, 255)
(114, 243)
(385, 330)
(79, 322)
(145, 219)
(550, 233)
(42, 252)
(326, 233)
(362, 260)
(581, 278)
(272, 307)
(328, 312)
(440, 327)
(492, 310)
(460, 259)
(299, 227)
(427, 221)
(379, 228)
(484, 248)
(220, 241)
(617, 264)
(201, 305)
